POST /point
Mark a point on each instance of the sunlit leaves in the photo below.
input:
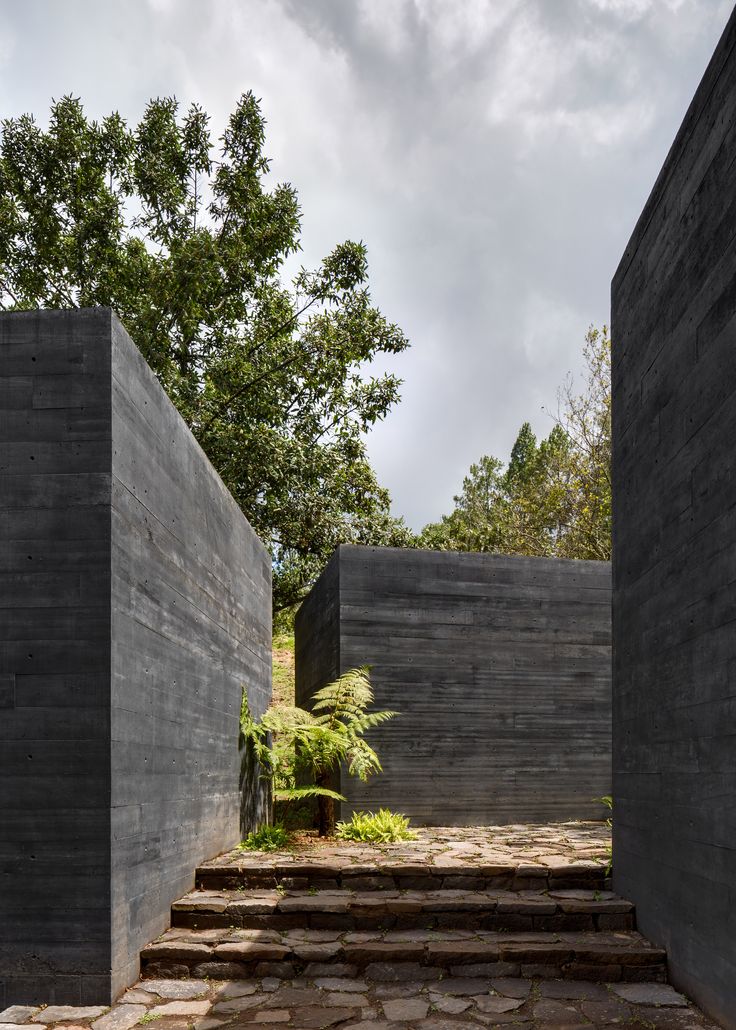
(186, 240)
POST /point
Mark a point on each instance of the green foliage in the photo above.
(553, 497)
(293, 745)
(268, 838)
(282, 663)
(607, 800)
(382, 827)
(187, 242)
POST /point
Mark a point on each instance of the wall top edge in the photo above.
(420, 553)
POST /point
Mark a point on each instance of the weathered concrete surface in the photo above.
(135, 601)
(674, 413)
(500, 668)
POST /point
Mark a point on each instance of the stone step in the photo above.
(336, 909)
(234, 871)
(416, 954)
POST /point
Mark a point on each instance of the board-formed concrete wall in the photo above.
(499, 666)
(135, 602)
(674, 679)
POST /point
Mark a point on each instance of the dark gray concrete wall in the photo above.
(674, 415)
(191, 624)
(55, 449)
(161, 611)
(500, 668)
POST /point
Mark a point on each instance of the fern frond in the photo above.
(347, 697)
(362, 760)
(368, 719)
(301, 793)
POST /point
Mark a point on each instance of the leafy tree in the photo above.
(553, 497)
(585, 420)
(188, 246)
(292, 744)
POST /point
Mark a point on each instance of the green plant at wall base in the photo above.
(294, 746)
(607, 800)
(268, 838)
(382, 827)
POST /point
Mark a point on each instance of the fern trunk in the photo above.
(326, 808)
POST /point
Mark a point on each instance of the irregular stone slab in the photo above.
(650, 994)
(236, 989)
(19, 1013)
(293, 997)
(399, 989)
(487, 969)
(68, 1013)
(242, 1004)
(272, 1016)
(438, 1023)
(334, 983)
(282, 970)
(512, 987)
(136, 997)
(316, 903)
(176, 990)
(201, 903)
(182, 1008)
(121, 1017)
(452, 1006)
(490, 1004)
(369, 1024)
(573, 990)
(359, 1001)
(329, 969)
(318, 1017)
(310, 952)
(252, 906)
(404, 1010)
(382, 951)
(396, 971)
(251, 951)
(187, 951)
(614, 1010)
(221, 970)
(556, 1012)
(458, 986)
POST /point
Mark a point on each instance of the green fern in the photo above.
(382, 827)
(268, 838)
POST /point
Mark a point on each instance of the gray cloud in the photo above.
(493, 155)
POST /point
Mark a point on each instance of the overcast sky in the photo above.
(493, 156)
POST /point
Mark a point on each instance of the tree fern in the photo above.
(293, 745)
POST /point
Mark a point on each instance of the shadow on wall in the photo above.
(256, 799)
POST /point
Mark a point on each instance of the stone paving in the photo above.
(396, 990)
(392, 997)
(543, 846)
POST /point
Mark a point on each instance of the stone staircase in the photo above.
(394, 919)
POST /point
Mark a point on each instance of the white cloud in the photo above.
(493, 155)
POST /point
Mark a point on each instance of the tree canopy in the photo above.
(187, 243)
(553, 497)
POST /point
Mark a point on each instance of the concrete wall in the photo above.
(674, 416)
(135, 602)
(499, 666)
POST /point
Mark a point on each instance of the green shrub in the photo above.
(382, 827)
(268, 838)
